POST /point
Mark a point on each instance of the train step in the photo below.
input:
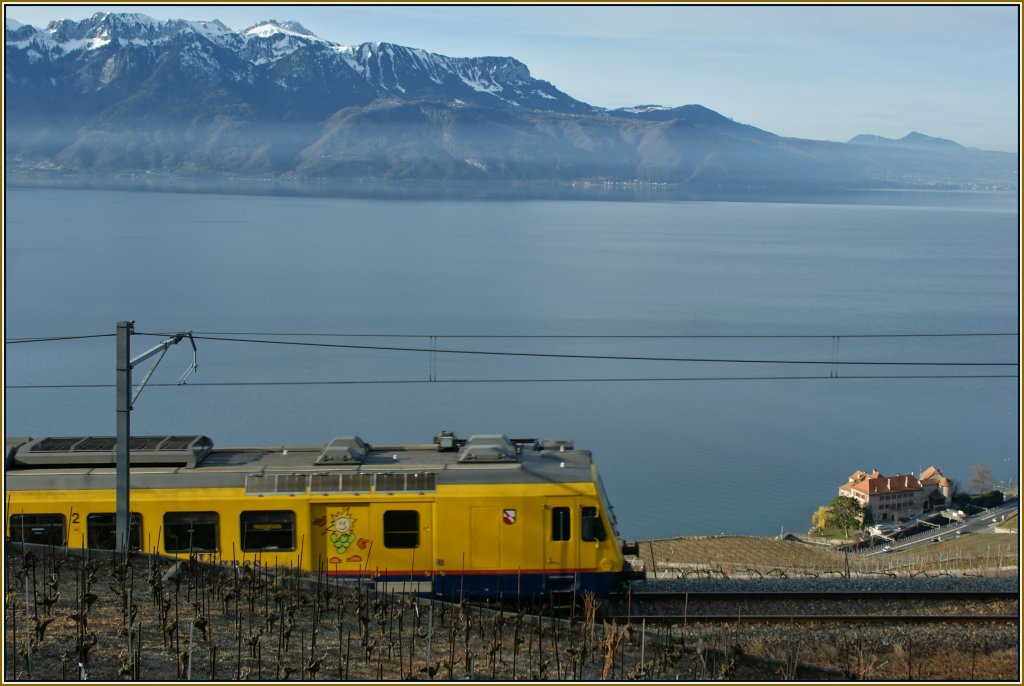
(563, 601)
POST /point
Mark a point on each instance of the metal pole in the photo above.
(124, 408)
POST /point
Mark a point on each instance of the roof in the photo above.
(933, 475)
(878, 484)
(489, 458)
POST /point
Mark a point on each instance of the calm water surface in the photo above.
(692, 448)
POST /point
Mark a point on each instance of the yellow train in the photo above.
(484, 517)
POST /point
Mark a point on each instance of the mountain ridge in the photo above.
(125, 92)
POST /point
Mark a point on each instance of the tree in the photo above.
(981, 480)
(844, 512)
(819, 520)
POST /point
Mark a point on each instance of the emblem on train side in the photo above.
(340, 530)
(508, 516)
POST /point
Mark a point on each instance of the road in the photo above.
(981, 522)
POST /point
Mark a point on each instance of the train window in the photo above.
(101, 531)
(391, 482)
(427, 481)
(560, 529)
(268, 530)
(292, 483)
(401, 529)
(355, 483)
(47, 529)
(190, 532)
(325, 483)
(591, 527)
(260, 483)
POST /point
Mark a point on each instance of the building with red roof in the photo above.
(901, 496)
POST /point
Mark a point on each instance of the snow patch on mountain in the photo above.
(640, 109)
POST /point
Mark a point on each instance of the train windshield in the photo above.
(608, 507)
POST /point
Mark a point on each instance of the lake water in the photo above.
(685, 447)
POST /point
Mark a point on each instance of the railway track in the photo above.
(809, 607)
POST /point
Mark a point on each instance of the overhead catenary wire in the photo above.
(293, 334)
(662, 379)
(579, 356)
(593, 336)
(833, 363)
(48, 339)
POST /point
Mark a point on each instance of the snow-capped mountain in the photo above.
(127, 93)
(271, 55)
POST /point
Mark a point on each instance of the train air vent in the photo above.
(344, 450)
(488, 448)
(100, 451)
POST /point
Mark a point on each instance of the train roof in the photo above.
(345, 464)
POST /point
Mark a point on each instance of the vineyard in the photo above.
(105, 619)
(752, 557)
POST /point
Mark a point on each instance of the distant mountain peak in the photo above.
(271, 27)
(913, 139)
(919, 139)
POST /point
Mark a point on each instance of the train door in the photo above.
(342, 538)
(485, 538)
(561, 535)
(403, 546)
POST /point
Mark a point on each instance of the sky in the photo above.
(824, 72)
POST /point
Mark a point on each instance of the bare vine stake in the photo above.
(259, 660)
(177, 642)
(451, 641)
(238, 624)
(529, 650)
(499, 635)
(380, 664)
(467, 623)
(401, 658)
(515, 645)
(348, 644)
(338, 629)
(540, 644)
(430, 631)
(35, 612)
(554, 642)
(412, 636)
(191, 633)
(643, 644)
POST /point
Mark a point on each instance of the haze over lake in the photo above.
(693, 448)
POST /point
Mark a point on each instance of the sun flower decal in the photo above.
(340, 530)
